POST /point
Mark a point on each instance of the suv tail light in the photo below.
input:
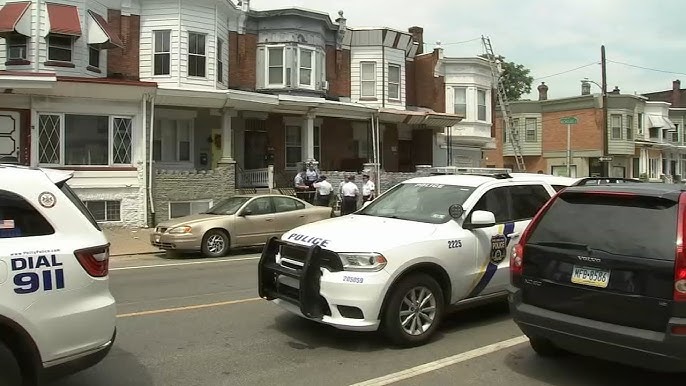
(680, 259)
(95, 261)
(517, 255)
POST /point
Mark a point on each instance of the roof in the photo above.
(662, 190)
(11, 14)
(108, 38)
(64, 19)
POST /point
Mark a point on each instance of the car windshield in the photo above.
(228, 206)
(421, 202)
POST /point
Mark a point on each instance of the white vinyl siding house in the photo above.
(377, 75)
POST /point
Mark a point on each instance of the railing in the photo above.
(257, 178)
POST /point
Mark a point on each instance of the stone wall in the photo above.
(177, 185)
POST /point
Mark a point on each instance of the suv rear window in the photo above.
(624, 225)
(19, 219)
(78, 203)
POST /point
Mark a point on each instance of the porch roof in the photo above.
(290, 104)
(217, 99)
(417, 117)
(23, 80)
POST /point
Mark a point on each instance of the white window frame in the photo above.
(267, 54)
(313, 53)
(485, 105)
(528, 129)
(188, 70)
(619, 127)
(71, 48)
(220, 61)
(190, 205)
(155, 53)
(110, 140)
(400, 78)
(372, 80)
(456, 90)
(10, 45)
(177, 146)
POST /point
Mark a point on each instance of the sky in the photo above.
(547, 36)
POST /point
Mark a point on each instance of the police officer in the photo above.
(349, 191)
(368, 188)
(324, 190)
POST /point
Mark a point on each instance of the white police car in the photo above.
(398, 263)
(57, 315)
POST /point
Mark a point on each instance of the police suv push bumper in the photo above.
(310, 281)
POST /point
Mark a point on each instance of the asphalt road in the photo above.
(188, 321)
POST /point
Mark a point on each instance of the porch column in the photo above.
(308, 139)
(227, 137)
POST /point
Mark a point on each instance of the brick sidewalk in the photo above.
(133, 241)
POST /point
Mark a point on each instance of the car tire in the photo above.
(404, 309)
(215, 243)
(11, 372)
(545, 348)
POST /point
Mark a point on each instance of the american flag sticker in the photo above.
(6, 224)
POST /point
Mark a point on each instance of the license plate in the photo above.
(593, 277)
(157, 239)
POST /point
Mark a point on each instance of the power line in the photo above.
(568, 71)
(646, 68)
(454, 43)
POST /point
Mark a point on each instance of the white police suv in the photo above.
(398, 263)
(57, 315)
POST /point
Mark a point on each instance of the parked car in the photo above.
(605, 180)
(239, 221)
(601, 271)
(57, 315)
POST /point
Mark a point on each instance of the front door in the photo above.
(255, 149)
(405, 156)
(9, 137)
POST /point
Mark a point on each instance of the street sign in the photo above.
(605, 159)
(569, 121)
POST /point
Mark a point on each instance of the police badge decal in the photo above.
(498, 248)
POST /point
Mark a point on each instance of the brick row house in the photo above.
(162, 108)
(643, 140)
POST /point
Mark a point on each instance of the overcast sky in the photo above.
(547, 36)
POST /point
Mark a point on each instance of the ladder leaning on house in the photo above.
(509, 128)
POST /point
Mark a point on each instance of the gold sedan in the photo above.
(239, 221)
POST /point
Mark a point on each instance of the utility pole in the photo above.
(605, 165)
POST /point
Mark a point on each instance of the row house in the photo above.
(162, 108)
(643, 141)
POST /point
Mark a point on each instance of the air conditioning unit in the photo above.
(325, 85)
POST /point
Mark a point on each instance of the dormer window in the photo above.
(275, 63)
(306, 63)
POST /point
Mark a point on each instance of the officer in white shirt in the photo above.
(349, 191)
(368, 189)
(324, 190)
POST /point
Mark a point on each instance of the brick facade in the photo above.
(429, 89)
(124, 62)
(586, 135)
(242, 61)
(338, 71)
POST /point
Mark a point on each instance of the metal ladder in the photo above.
(510, 130)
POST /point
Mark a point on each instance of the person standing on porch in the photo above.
(349, 191)
(368, 189)
(324, 190)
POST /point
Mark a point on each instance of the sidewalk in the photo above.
(133, 241)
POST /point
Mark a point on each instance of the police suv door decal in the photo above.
(498, 253)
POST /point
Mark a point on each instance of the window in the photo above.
(17, 47)
(162, 49)
(561, 171)
(259, 206)
(84, 140)
(220, 61)
(104, 210)
(481, 103)
(317, 142)
(630, 127)
(306, 61)
(93, 57)
(59, 48)
(196, 54)
(531, 129)
(275, 63)
(173, 140)
(393, 82)
(294, 145)
(460, 102)
(616, 122)
(495, 201)
(18, 218)
(653, 164)
(187, 208)
(287, 204)
(527, 200)
(640, 123)
(368, 80)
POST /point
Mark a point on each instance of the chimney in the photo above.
(439, 50)
(615, 91)
(542, 92)
(245, 5)
(676, 93)
(418, 36)
(585, 87)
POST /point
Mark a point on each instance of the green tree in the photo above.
(516, 78)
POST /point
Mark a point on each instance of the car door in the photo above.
(492, 252)
(255, 222)
(290, 213)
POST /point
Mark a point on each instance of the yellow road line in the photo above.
(187, 308)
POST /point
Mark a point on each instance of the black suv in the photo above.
(601, 271)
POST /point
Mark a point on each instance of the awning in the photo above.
(14, 18)
(100, 33)
(659, 121)
(63, 20)
(427, 118)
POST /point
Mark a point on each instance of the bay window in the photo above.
(84, 140)
(393, 82)
(460, 102)
(368, 79)
(275, 66)
(162, 52)
(481, 105)
(196, 54)
(306, 66)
